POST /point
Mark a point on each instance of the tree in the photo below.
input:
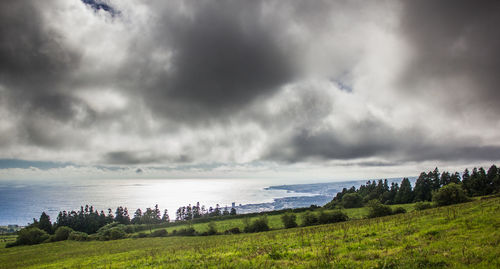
(233, 211)
(450, 194)
(62, 233)
(30, 236)
(352, 200)
(289, 220)
(423, 187)
(405, 193)
(137, 216)
(376, 209)
(45, 224)
(166, 217)
(445, 178)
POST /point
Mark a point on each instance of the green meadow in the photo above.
(462, 235)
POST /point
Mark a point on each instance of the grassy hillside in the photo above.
(274, 220)
(465, 235)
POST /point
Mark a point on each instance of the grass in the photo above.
(274, 220)
(465, 235)
(6, 238)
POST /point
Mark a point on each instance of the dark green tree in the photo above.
(45, 224)
(423, 187)
(405, 193)
(352, 200)
(450, 194)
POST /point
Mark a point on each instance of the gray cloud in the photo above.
(194, 82)
(222, 57)
(455, 51)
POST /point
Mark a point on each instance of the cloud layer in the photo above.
(169, 84)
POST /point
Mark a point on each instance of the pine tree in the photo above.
(405, 193)
(166, 217)
(44, 223)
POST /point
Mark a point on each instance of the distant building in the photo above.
(233, 205)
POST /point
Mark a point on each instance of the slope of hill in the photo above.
(464, 235)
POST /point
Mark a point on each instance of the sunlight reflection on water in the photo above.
(21, 201)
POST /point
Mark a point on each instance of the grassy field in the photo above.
(465, 235)
(4, 239)
(274, 220)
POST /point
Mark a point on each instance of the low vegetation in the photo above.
(461, 235)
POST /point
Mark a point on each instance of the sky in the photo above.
(310, 90)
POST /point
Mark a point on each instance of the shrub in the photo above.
(332, 217)
(111, 231)
(423, 205)
(449, 194)
(30, 236)
(78, 236)
(212, 228)
(309, 218)
(399, 210)
(129, 229)
(289, 220)
(159, 233)
(352, 200)
(376, 209)
(258, 225)
(62, 233)
(186, 232)
(234, 230)
(116, 233)
(140, 235)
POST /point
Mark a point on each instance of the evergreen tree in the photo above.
(405, 193)
(423, 187)
(445, 179)
(233, 211)
(166, 217)
(455, 178)
(44, 223)
(137, 216)
(435, 179)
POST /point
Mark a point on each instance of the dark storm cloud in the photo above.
(455, 41)
(223, 58)
(372, 138)
(361, 140)
(35, 66)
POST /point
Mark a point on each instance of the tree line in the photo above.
(476, 183)
(195, 212)
(90, 220)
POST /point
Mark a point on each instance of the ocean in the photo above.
(21, 201)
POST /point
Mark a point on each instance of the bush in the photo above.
(376, 209)
(332, 217)
(352, 200)
(78, 236)
(159, 233)
(62, 233)
(423, 205)
(449, 194)
(140, 235)
(258, 225)
(130, 229)
(212, 228)
(234, 230)
(186, 232)
(116, 233)
(111, 231)
(399, 210)
(30, 236)
(289, 220)
(309, 218)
